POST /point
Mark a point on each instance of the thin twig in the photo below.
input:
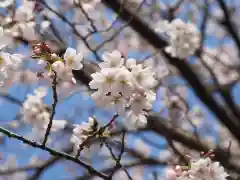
(118, 159)
(54, 104)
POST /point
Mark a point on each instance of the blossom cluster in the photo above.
(124, 86)
(62, 66)
(8, 62)
(72, 60)
(184, 38)
(34, 111)
(81, 132)
(202, 169)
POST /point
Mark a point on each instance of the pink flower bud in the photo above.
(37, 51)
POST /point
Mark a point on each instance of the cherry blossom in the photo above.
(82, 132)
(59, 67)
(6, 3)
(73, 59)
(34, 111)
(112, 59)
(25, 13)
(184, 38)
(123, 86)
(8, 64)
(11, 163)
(4, 40)
(204, 169)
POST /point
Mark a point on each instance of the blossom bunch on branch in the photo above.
(203, 168)
(184, 38)
(84, 133)
(36, 113)
(124, 86)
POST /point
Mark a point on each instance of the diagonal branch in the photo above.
(52, 152)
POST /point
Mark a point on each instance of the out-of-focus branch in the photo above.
(147, 33)
(172, 10)
(10, 98)
(64, 19)
(227, 22)
(18, 169)
(47, 164)
(53, 152)
(141, 160)
(159, 126)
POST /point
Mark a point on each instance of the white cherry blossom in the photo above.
(204, 169)
(3, 76)
(112, 59)
(162, 26)
(101, 98)
(41, 92)
(25, 12)
(123, 83)
(4, 40)
(8, 64)
(184, 38)
(124, 86)
(59, 67)
(103, 80)
(134, 121)
(11, 163)
(34, 111)
(142, 76)
(56, 125)
(73, 59)
(28, 29)
(12, 61)
(6, 3)
(139, 102)
(81, 132)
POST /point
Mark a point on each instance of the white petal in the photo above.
(131, 63)
(77, 66)
(58, 125)
(69, 53)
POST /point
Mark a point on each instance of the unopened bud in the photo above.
(37, 51)
(41, 48)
